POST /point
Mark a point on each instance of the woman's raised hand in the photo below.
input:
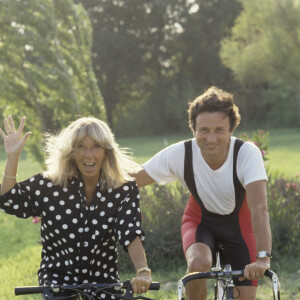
(14, 140)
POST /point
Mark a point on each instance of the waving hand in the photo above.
(14, 142)
(13, 139)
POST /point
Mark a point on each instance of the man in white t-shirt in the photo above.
(227, 181)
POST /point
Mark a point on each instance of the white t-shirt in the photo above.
(215, 187)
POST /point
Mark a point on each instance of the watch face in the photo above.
(262, 254)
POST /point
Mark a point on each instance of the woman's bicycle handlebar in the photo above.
(63, 288)
(233, 274)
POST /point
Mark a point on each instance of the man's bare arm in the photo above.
(142, 178)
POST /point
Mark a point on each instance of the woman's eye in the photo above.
(97, 146)
(79, 146)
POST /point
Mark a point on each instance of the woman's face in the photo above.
(89, 156)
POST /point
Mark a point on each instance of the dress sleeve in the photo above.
(128, 221)
(22, 200)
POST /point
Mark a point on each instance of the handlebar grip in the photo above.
(154, 286)
(269, 273)
(25, 290)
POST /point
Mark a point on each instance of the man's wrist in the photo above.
(263, 254)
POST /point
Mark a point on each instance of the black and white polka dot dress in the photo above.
(79, 241)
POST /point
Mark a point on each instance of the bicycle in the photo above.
(224, 286)
(87, 291)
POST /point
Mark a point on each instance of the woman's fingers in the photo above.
(141, 284)
(21, 126)
(11, 124)
(13, 140)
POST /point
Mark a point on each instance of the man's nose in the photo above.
(211, 137)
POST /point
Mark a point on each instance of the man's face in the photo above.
(213, 136)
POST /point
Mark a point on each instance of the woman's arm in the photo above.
(141, 283)
(13, 145)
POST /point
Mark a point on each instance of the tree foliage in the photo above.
(152, 57)
(45, 67)
(263, 51)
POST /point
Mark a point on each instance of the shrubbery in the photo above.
(284, 210)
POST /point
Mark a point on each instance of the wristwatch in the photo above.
(263, 254)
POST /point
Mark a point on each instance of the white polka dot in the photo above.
(68, 211)
(57, 217)
(72, 236)
(62, 202)
(102, 213)
(75, 221)
(71, 197)
(41, 182)
(117, 195)
(37, 192)
(104, 226)
(51, 208)
(55, 193)
(125, 188)
(128, 212)
(49, 184)
(95, 222)
(16, 206)
(110, 204)
(45, 199)
(65, 226)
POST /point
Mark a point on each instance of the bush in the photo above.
(162, 209)
(284, 210)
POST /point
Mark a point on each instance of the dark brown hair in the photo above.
(214, 100)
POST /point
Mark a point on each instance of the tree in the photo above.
(45, 65)
(151, 57)
(263, 53)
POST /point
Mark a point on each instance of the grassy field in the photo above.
(19, 239)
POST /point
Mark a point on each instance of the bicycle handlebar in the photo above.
(26, 290)
(233, 274)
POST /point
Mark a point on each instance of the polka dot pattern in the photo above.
(79, 241)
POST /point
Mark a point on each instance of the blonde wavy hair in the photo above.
(60, 162)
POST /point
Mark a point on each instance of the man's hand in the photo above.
(257, 269)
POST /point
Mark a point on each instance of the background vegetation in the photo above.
(137, 64)
(163, 243)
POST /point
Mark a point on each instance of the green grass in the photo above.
(20, 250)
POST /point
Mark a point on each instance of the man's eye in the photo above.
(97, 146)
(79, 146)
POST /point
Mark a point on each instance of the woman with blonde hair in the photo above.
(86, 200)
